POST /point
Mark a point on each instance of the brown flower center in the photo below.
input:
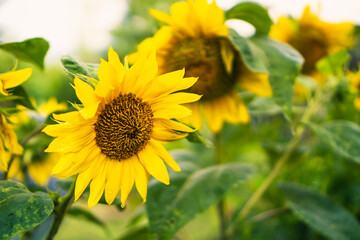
(201, 58)
(124, 127)
(312, 45)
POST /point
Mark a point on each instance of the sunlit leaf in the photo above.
(321, 213)
(252, 13)
(333, 63)
(20, 209)
(75, 68)
(32, 50)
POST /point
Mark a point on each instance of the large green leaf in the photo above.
(342, 136)
(321, 213)
(284, 64)
(253, 57)
(20, 209)
(252, 13)
(31, 50)
(171, 207)
(75, 68)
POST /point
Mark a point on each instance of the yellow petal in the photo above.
(141, 179)
(214, 118)
(84, 178)
(170, 111)
(113, 181)
(15, 78)
(177, 98)
(107, 78)
(160, 16)
(196, 118)
(97, 186)
(154, 165)
(257, 83)
(90, 111)
(172, 125)
(84, 92)
(127, 178)
(164, 154)
(166, 135)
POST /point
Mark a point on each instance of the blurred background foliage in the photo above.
(260, 143)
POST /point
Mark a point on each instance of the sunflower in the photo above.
(355, 85)
(195, 37)
(9, 144)
(38, 164)
(116, 139)
(313, 38)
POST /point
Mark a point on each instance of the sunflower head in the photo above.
(116, 139)
(312, 37)
(355, 85)
(196, 38)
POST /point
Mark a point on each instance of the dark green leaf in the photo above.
(4, 98)
(23, 99)
(170, 208)
(333, 63)
(284, 64)
(75, 68)
(252, 13)
(197, 137)
(342, 136)
(252, 55)
(321, 213)
(31, 50)
(20, 209)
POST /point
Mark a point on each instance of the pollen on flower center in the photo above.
(124, 127)
(201, 58)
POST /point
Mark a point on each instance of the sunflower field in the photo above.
(185, 128)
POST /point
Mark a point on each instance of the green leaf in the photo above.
(23, 99)
(87, 215)
(252, 13)
(333, 63)
(171, 207)
(252, 55)
(321, 213)
(75, 68)
(342, 136)
(197, 137)
(284, 64)
(20, 209)
(32, 50)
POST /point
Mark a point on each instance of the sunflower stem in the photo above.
(23, 143)
(296, 139)
(61, 210)
(221, 206)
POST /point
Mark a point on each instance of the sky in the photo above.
(70, 24)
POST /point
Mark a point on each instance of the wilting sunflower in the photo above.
(9, 144)
(38, 164)
(313, 38)
(116, 138)
(195, 37)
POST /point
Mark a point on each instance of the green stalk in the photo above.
(221, 206)
(61, 210)
(296, 139)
